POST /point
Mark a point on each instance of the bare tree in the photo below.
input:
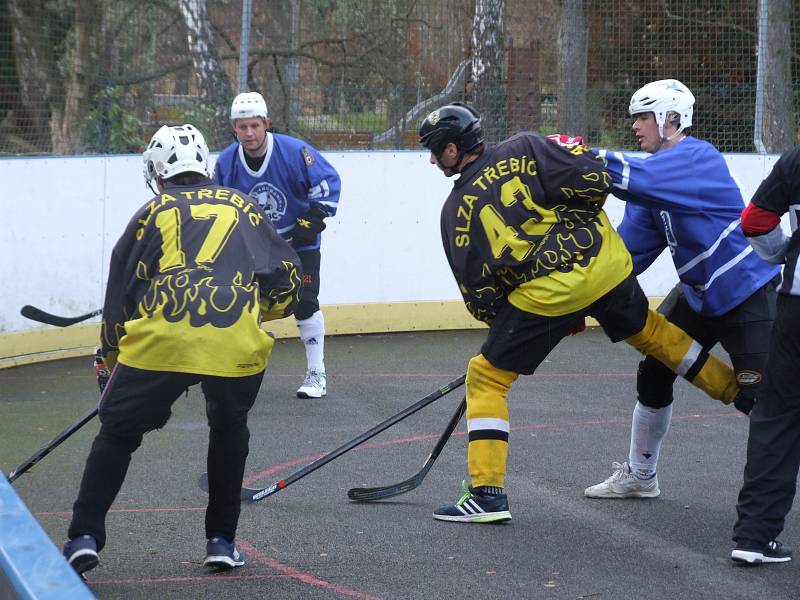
(778, 121)
(488, 60)
(215, 87)
(572, 45)
(55, 87)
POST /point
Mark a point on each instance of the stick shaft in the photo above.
(388, 491)
(52, 444)
(333, 454)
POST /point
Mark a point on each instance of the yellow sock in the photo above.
(487, 421)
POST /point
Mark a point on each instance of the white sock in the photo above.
(312, 333)
(648, 429)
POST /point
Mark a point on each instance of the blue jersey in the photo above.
(292, 177)
(684, 198)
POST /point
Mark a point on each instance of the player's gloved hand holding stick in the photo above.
(308, 226)
(100, 369)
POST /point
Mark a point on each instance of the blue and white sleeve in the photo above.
(324, 183)
(642, 236)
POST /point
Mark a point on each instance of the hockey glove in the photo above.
(100, 370)
(566, 140)
(308, 227)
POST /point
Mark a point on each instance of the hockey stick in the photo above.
(251, 495)
(388, 491)
(52, 444)
(37, 314)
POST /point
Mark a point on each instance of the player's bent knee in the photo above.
(654, 385)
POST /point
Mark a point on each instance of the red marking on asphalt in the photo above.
(397, 442)
(204, 578)
(68, 513)
(295, 573)
(253, 555)
(420, 438)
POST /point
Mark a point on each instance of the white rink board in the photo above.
(63, 216)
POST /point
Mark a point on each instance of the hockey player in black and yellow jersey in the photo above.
(533, 254)
(197, 270)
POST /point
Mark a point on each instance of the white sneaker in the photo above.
(624, 484)
(313, 385)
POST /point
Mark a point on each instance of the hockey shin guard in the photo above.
(487, 421)
(674, 348)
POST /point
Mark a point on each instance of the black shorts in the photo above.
(519, 341)
(309, 294)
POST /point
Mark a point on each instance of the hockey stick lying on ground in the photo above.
(251, 495)
(388, 491)
(37, 314)
(52, 444)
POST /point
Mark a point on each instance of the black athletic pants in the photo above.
(135, 402)
(773, 446)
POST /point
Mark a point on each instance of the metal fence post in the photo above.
(758, 125)
(244, 47)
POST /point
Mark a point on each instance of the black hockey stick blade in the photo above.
(251, 495)
(52, 444)
(389, 491)
(37, 314)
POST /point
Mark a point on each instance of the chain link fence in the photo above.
(94, 76)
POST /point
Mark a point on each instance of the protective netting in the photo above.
(94, 76)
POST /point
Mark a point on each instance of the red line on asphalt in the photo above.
(286, 571)
(296, 573)
(398, 441)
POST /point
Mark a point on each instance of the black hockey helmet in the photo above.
(455, 122)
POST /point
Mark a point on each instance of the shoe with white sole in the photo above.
(624, 484)
(222, 554)
(81, 553)
(313, 385)
(755, 553)
(476, 506)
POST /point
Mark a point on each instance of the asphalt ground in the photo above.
(569, 422)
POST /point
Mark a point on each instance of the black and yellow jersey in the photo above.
(197, 270)
(524, 224)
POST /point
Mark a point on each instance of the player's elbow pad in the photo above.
(771, 246)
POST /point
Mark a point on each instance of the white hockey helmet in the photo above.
(248, 104)
(662, 97)
(174, 150)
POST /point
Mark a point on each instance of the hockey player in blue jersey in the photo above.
(683, 197)
(298, 189)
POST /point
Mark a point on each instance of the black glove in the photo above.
(308, 227)
(101, 370)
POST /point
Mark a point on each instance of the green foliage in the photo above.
(110, 127)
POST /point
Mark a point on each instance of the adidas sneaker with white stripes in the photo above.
(482, 505)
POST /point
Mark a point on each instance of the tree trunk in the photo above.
(778, 111)
(34, 66)
(572, 48)
(215, 87)
(488, 58)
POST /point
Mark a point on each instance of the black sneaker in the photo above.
(475, 506)
(81, 553)
(755, 553)
(222, 554)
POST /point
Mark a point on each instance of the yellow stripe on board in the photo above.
(52, 343)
